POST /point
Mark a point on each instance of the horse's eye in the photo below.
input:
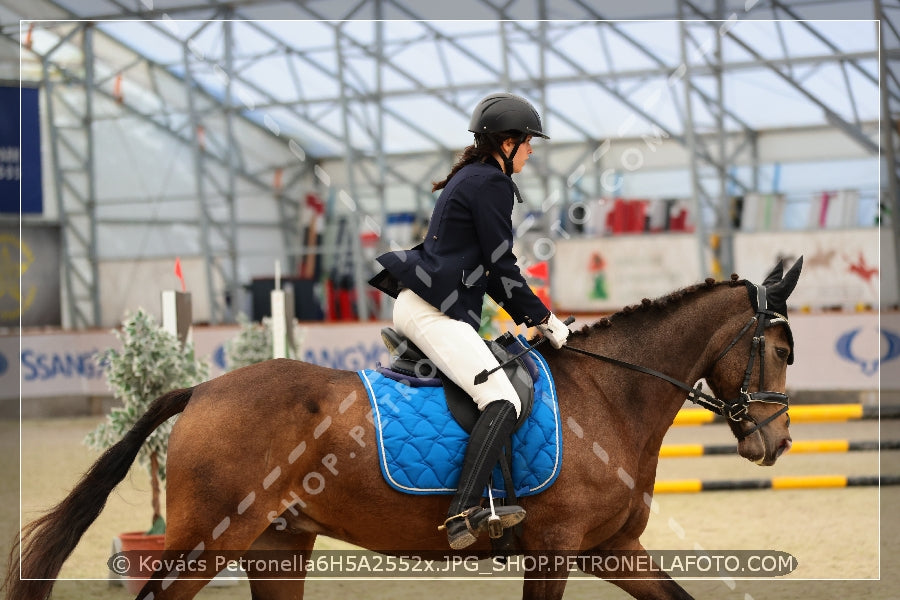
(782, 353)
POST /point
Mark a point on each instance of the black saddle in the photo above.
(415, 368)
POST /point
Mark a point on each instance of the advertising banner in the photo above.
(29, 276)
(63, 364)
(610, 273)
(845, 351)
(840, 268)
(834, 352)
(20, 158)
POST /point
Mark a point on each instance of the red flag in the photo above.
(539, 271)
(179, 274)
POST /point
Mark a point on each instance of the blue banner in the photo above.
(20, 162)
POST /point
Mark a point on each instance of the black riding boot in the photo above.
(466, 519)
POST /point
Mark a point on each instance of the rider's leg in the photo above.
(458, 351)
(454, 347)
(465, 517)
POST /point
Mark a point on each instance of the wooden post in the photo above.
(176, 314)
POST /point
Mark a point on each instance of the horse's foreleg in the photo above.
(650, 583)
(546, 580)
(278, 546)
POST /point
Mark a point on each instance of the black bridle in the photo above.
(735, 409)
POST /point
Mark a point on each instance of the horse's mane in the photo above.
(668, 301)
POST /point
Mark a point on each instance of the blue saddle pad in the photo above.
(421, 446)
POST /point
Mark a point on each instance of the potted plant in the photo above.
(253, 343)
(150, 363)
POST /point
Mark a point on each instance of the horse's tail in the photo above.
(43, 545)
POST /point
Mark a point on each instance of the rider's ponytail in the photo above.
(486, 144)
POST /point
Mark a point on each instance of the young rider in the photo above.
(440, 284)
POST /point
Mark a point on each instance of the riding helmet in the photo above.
(502, 112)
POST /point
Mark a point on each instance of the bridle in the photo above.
(735, 409)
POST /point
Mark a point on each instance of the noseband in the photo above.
(735, 409)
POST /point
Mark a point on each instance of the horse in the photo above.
(270, 456)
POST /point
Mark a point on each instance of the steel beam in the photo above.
(890, 121)
(72, 156)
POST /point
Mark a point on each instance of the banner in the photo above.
(610, 273)
(62, 364)
(29, 276)
(20, 161)
(845, 352)
(834, 351)
(840, 268)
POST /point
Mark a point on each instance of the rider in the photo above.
(439, 286)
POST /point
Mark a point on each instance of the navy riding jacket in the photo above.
(467, 253)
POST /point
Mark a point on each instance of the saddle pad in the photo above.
(421, 446)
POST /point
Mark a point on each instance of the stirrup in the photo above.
(463, 529)
(463, 515)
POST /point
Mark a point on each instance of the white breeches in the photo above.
(454, 347)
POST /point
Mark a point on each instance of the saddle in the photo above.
(410, 365)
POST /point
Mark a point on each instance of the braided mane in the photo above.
(667, 301)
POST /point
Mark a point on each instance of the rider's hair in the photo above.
(486, 144)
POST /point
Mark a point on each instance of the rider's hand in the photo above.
(554, 330)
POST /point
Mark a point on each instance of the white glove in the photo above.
(554, 330)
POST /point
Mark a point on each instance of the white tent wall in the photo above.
(126, 285)
(142, 172)
(147, 205)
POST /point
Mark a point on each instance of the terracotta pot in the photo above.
(142, 548)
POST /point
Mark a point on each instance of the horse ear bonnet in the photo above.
(775, 275)
(778, 289)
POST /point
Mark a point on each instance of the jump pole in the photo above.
(683, 486)
(798, 447)
(801, 413)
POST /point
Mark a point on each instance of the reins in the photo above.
(735, 409)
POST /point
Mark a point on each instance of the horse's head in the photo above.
(752, 370)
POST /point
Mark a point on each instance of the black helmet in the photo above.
(506, 112)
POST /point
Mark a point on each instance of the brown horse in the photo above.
(272, 455)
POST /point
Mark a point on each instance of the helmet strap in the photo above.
(508, 160)
(516, 192)
(508, 165)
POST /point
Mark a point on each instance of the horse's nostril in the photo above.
(785, 445)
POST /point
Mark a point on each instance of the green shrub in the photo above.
(150, 363)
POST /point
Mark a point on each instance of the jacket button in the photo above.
(434, 237)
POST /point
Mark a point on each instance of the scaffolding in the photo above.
(332, 103)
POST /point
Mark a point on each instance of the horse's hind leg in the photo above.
(270, 563)
(201, 543)
(195, 554)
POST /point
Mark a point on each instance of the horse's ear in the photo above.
(780, 291)
(774, 277)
